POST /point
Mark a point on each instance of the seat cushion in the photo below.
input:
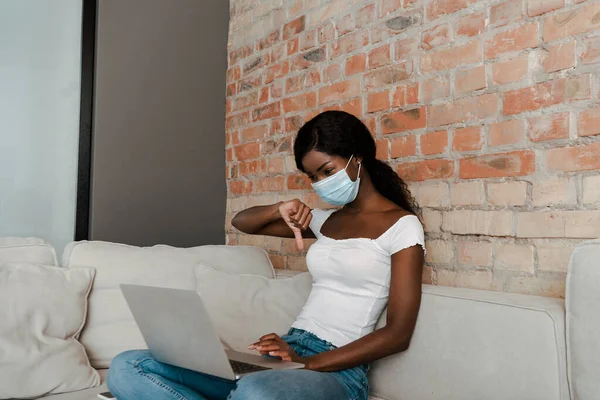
(27, 250)
(472, 345)
(110, 328)
(87, 394)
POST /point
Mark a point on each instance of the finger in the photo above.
(269, 348)
(269, 336)
(307, 222)
(284, 355)
(302, 220)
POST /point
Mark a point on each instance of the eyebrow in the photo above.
(324, 164)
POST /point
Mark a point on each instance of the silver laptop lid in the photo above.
(178, 329)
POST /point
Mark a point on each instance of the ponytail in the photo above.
(390, 185)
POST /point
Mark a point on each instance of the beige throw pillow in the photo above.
(42, 310)
(245, 307)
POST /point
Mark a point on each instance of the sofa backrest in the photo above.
(110, 328)
(27, 250)
(583, 321)
(473, 344)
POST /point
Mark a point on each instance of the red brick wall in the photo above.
(491, 112)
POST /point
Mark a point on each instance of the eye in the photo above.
(328, 171)
(312, 178)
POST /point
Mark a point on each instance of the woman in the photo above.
(368, 254)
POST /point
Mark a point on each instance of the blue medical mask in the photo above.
(338, 189)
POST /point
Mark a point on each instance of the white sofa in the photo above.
(468, 344)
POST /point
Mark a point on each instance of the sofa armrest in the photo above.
(583, 320)
(286, 273)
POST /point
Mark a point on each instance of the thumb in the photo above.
(298, 236)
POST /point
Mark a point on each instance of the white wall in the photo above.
(39, 117)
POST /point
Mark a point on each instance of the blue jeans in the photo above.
(137, 375)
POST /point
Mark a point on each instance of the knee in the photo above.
(257, 386)
(123, 369)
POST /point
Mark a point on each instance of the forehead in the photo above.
(313, 160)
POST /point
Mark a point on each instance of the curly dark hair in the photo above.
(339, 133)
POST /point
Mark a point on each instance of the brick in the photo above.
(365, 16)
(264, 95)
(473, 279)
(298, 182)
(439, 252)
(255, 132)
(475, 254)
(277, 71)
(507, 194)
(403, 121)
(591, 52)
(405, 95)
(307, 40)
(433, 195)
(353, 107)
(379, 56)
(292, 46)
(239, 54)
(249, 100)
(463, 110)
(229, 154)
(427, 276)
(536, 286)
(591, 189)
(514, 257)
(452, 57)
(240, 187)
(382, 151)
(435, 88)
(470, 80)
(339, 91)
(345, 25)
(435, 36)
(266, 112)
(509, 71)
(554, 191)
(541, 224)
(349, 43)
(589, 122)
(388, 75)
(387, 7)
(237, 120)
(546, 94)
(247, 151)
(404, 146)
(268, 41)
(426, 169)
(437, 8)
(559, 56)
(270, 184)
(277, 261)
(475, 222)
(515, 39)
(356, 64)
(570, 159)
(516, 163)
(326, 32)
(404, 49)
(432, 220)
(539, 7)
(572, 22)
(549, 127)
(294, 27)
(255, 167)
(301, 102)
(296, 263)
(506, 132)
(233, 74)
(302, 81)
(467, 139)
(333, 73)
(471, 25)
(378, 101)
(434, 142)
(506, 13)
(275, 165)
(467, 194)
(553, 258)
(582, 224)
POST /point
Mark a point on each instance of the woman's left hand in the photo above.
(273, 345)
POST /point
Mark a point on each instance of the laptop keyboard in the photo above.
(240, 368)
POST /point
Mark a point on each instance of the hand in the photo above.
(273, 345)
(297, 216)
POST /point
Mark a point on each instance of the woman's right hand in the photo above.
(297, 216)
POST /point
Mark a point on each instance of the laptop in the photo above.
(179, 332)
